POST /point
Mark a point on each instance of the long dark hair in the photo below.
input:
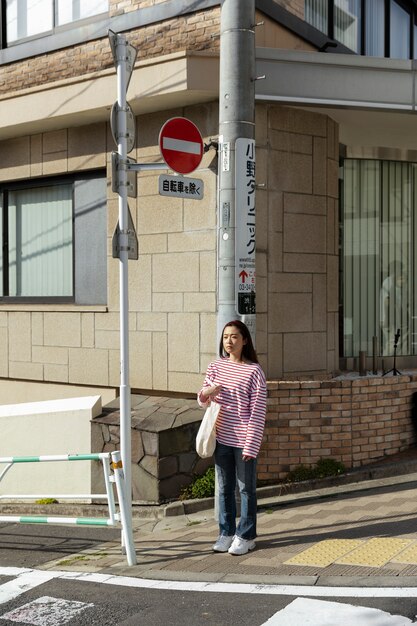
(248, 352)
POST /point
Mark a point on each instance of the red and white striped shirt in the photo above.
(241, 419)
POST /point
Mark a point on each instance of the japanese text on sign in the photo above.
(245, 279)
(181, 187)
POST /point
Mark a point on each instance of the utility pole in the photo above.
(236, 192)
(236, 206)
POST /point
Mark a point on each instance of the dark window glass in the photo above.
(53, 237)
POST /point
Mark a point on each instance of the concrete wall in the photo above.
(19, 391)
(48, 428)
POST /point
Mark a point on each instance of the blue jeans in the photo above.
(229, 466)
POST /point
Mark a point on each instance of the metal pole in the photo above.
(236, 120)
(125, 416)
(124, 508)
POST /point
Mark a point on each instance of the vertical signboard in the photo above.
(245, 279)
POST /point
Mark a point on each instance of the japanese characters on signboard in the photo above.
(245, 279)
(181, 187)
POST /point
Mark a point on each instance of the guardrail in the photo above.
(115, 476)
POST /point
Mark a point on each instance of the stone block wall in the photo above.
(356, 421)
(297, 242)
(164, 459)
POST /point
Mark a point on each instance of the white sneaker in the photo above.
(241, 546)
(223, 543)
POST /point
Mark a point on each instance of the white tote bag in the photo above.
(206, 436)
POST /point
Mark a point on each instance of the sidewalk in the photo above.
(364, 533)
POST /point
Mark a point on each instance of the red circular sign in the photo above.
(181, 145)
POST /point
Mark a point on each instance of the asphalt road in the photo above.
(28, 596)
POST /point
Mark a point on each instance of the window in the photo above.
(399, 32)
(72, 10)
(379, 264)
(53, 236)
(347, 23)
(28, 18)
(39, 243)
(316, 14)
(372, 27)
(375, 28)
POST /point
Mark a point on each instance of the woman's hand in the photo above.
(212, 392)
(246, 458)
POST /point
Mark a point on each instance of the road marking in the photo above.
(321, 613)
(25, 581)
(47, 611)
(34, 578)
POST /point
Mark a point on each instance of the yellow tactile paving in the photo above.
(325, 552)
(375, 552)
(409, 556)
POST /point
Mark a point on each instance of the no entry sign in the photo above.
(181, 145)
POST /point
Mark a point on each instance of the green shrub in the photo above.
(47, 501)
(202, 486)
(301, 473)
(329, 467)
(323, 468)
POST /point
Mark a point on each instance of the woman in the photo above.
(236, 381)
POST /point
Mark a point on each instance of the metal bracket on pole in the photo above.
(118, 164)
(132, 166)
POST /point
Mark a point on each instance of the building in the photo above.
(336, 175)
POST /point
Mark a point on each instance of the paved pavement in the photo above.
(363, 533)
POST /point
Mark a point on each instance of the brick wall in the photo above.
(293, 6)
(355, 421)
(118, 7)
(189, 32)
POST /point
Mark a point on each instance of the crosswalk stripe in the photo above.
(23, 582)
(325, 613)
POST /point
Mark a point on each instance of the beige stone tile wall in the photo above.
(172, 287)
(297, 267)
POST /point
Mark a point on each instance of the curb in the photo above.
(269, 496)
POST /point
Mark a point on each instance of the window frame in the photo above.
(410, 7)
(80, 23)
(5, 189)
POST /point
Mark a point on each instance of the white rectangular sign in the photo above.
(181, 187)
(245, 279)
(225, 156)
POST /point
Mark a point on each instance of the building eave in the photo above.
(175, 80)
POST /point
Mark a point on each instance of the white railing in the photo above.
(113, 473)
